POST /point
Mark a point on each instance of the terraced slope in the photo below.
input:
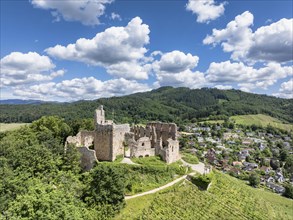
(227, 198)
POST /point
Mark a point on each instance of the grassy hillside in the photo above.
(11, 126)
(227, 198)
(164, 104)
(261, 120)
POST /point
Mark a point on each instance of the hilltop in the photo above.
(164, 104)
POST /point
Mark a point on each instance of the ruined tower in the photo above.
(109, 137)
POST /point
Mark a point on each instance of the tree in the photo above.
(53, 124)
(288, 191)
(275, 164)
(254, 179)
(289, 164)
(106, 186)
(46, 201)
(284, 154)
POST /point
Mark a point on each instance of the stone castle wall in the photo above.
(88, 158)
(82, 139)
(103, 142)
(161, 139)
(109, 140)
(119, 132)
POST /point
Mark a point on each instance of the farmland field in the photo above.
(227, 198)
(261, 120)
(11, 126)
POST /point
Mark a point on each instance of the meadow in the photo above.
(11, 126)
(261, 120)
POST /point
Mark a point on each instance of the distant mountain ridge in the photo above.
(19, 101)
(163, 104)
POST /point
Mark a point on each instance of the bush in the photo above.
(190, 158)
(202, 181)
(288, 191)
(254, 179)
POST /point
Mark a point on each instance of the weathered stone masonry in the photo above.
(111, 140)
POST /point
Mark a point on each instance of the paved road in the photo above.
(159, 188)
(200, 167)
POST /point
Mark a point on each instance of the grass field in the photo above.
(11, 126)
(261, 120)
(227, 198)
(150, 174)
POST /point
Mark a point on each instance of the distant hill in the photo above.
(164, 104)
(19, 102)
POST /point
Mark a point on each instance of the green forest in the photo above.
(40, 179)
(165, 104)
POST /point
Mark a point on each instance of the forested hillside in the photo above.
(164, 104)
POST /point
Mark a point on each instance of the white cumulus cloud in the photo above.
(247, 77)
(81, 88)
(85, 11)
(206, 10)
(286, 90)
(22, 68)
(119, 49)
(268, 43)
(176, 69)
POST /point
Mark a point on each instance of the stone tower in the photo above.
(100, 115)
(109, 137)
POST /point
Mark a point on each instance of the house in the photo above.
(235, 171)
(211, 156)
(247, 141)
(266, 169)
(270, 179)
(250, 165)
(241, 158)
(228, 135)
(237, 163)
(261, 134)
(262, 146)
(200, 139)
(279, 176)
(249, 134)
(276, 188)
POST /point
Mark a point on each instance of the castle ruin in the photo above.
(110, 140)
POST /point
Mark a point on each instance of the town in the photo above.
(245, 152)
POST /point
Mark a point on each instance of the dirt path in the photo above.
(199, 168)
(159, 188)
(128, 161)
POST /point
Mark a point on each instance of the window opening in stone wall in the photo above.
(142, 144)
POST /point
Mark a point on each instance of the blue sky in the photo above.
(87, 49)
